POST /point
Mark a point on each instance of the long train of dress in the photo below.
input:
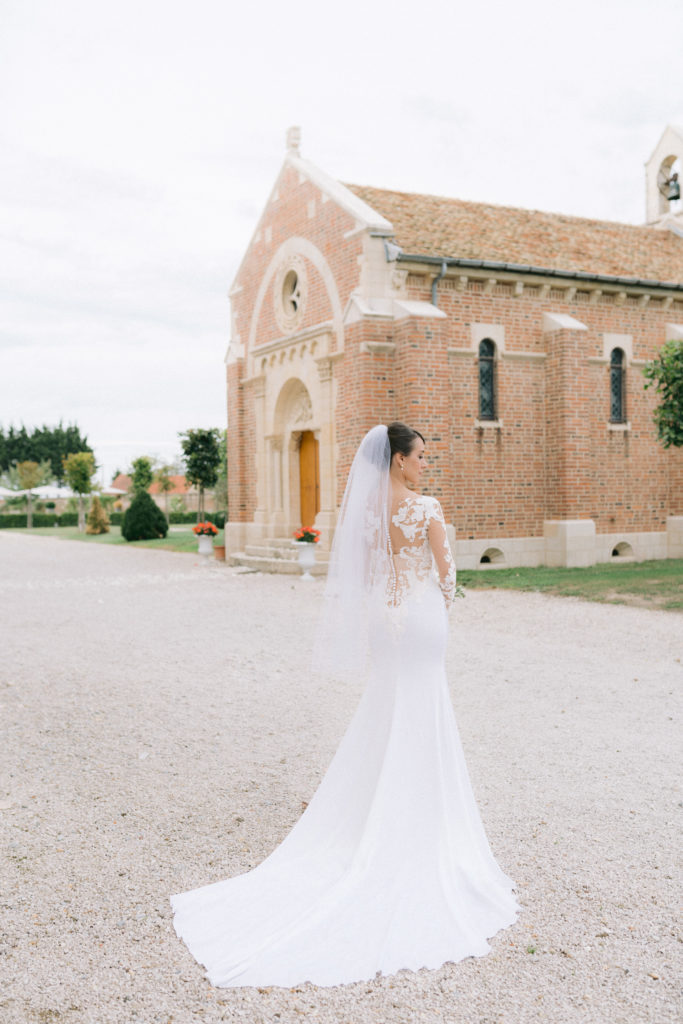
(389, 867)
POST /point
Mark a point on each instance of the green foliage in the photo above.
(43, 444)
(665, 374)
(16, 520)
(202, 458)
(142, 475)
(144, 520)
(29, 474)
(12, 479)
(162, 477)
(79, 467)
(68, 519)
(97, 521)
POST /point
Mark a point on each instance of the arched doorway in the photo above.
(309, 477)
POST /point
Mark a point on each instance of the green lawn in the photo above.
(178, 538)
(654, 584)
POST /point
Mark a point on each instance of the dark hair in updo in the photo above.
(402, 438)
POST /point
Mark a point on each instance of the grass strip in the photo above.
(178, 538)
(653, 584)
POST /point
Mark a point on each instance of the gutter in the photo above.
(522, 268)
(435, 282)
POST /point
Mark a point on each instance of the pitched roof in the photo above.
(180, 484)
(436, 226)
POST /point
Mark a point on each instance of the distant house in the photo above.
(187, 492)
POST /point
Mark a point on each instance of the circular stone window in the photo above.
(290, 295)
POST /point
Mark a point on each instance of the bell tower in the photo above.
(663, 179)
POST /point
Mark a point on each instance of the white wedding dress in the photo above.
(389, 867)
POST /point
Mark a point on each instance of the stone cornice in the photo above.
(309, 334)
(490, 273)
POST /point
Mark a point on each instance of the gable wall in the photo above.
(297, 209)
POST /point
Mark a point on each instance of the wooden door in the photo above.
(309, 478)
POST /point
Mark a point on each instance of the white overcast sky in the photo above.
(139, 142)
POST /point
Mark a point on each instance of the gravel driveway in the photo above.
(161, 730)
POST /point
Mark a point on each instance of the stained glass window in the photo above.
(487, 380)
(617, 390)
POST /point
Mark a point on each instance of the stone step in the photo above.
(268, 550)
(260, 563)
(281, 547)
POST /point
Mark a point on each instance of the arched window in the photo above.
(617, 386)
(487, 380)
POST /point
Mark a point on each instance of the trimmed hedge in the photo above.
(14, 520)
(190, 518)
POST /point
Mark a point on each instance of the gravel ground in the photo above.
(162, 730)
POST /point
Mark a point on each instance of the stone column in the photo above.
(327, 516)
(275, 502)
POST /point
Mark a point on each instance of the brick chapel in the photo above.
(513, 340)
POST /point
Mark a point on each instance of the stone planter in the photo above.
(306, 558)
(205, 544)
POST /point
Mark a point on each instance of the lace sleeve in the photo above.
(438, 541)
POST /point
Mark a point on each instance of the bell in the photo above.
(674, 188)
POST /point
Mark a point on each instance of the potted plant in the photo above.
(205, 533)
(305, 538)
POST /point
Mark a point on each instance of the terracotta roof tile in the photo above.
(180, 484)
(436, 226)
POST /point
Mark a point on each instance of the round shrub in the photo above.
(97, 521)
(144, 520)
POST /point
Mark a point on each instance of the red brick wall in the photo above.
(284, 217)
(554, 456)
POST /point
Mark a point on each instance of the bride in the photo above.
(389, 867)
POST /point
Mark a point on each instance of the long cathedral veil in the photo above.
(359, 560)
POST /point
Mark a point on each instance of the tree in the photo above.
(144, 520)
(10, 477)
(98, 520)
(162, 479)
(79, 467)
(142, 475)
(665, 374)
(202, 457)
(30, 475)
(43, 443)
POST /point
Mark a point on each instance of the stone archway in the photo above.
(294, 465)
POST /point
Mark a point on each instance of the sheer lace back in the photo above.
(419, 549)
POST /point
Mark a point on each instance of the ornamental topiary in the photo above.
(97, 521)
(144, 520)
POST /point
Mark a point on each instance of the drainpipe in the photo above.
(439, 277)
